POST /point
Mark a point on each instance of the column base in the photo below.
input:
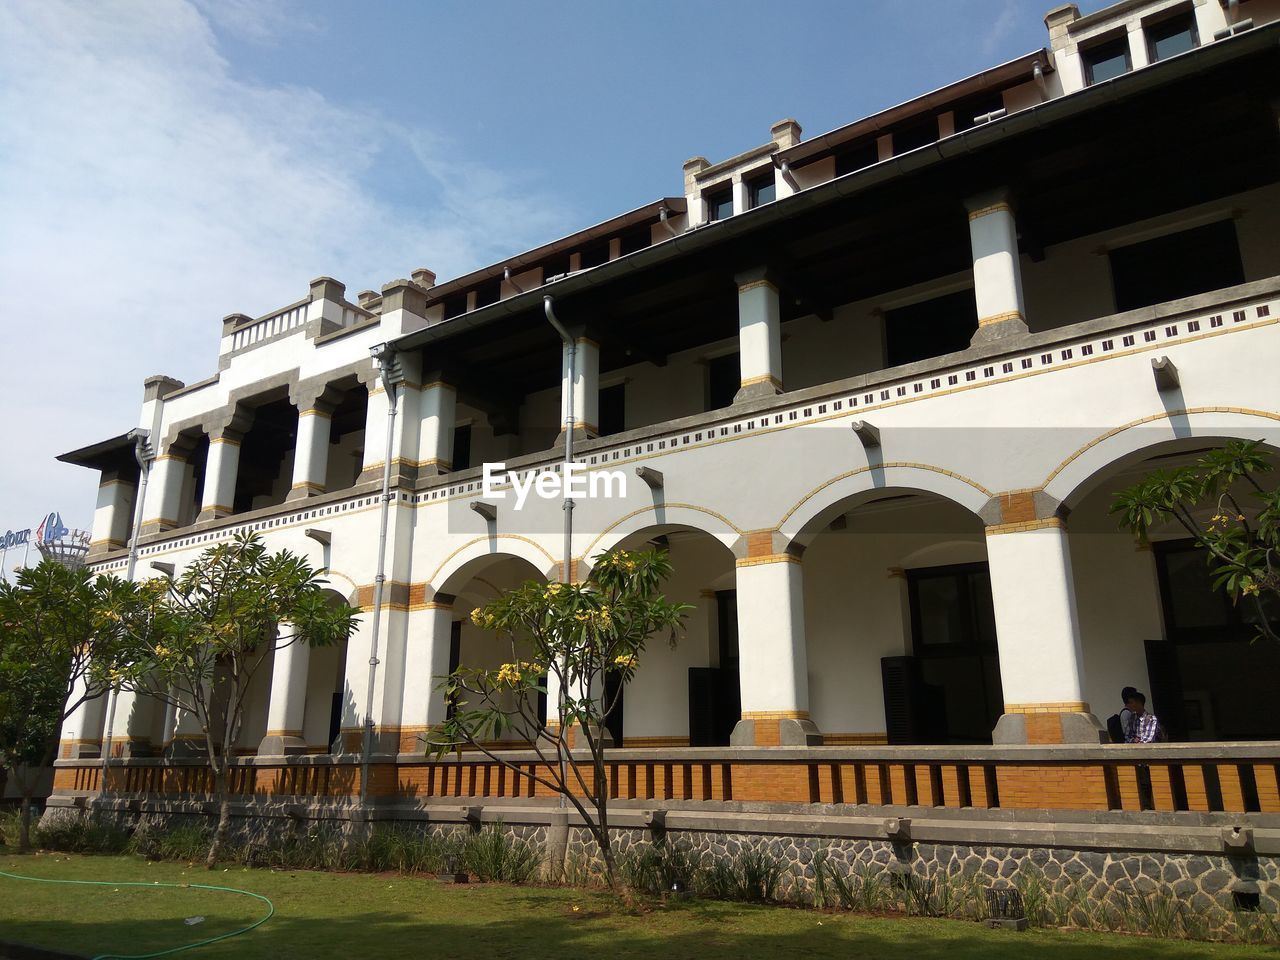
(281, 745)
(213, 513)
(123, 748)
(1031, 725)
(760, 389)
(776, 729)
(998, 328)
(302, 491)
(80, 749)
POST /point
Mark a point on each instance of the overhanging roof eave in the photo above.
(975, 139)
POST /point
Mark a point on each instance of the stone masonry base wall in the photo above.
(1209, 883)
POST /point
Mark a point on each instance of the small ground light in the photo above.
(1004, 908)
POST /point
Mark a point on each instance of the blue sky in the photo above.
(164, 163)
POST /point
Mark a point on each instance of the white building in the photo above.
(882, 383)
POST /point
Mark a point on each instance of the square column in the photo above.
(131, 729)
(183, 734)
(773, 668)
(288, 701)
(220, 475)
(311, 453)
(404, 439)
(759, 335)
(1038, 635)
(437, 406)
(426, 663)
(585, 415)
(113, 514)
(82, 730)
(162, 508)
(997, 274)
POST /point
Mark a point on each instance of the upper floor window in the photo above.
(720, 205)
(612, 409)
(1106, 60)
(762, 190)
(979, 105)
(556, 267)
(1171, 36)
(930, 328)
(856, 157)
(635, 238)
(455, 306)
(489, 292)
(594, 254)
(1176, 265)
(917, 133)
(724, 377)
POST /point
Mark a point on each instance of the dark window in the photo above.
(613, 409)
(953, 633)
(916, 134)
(1209, 680)
(1178, 265)
(1105, 61)
(556, 267)
(1171, 36)
(720, 205)
(487, 293)
(636, 238)
(930, 329)
(455, 306)
(724, 377)
(976, 106)
(857, 157)
(595, 254)
(462, 447)
(762, 190)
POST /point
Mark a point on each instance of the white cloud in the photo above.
(146, 190)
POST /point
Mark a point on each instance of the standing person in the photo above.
(1118, 723)
(1142, 727)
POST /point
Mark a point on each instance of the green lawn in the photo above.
(376, 916)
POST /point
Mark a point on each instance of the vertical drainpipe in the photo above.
(570, 421)
(143, 453)
(386, 357)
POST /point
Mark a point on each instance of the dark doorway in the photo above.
(1176, 265)
(715, 699)
(1209, 680)
(614, 687)
(931, 328)
(953, 638)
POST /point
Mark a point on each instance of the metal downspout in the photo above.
(385, 355)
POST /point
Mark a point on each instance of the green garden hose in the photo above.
(152, 886)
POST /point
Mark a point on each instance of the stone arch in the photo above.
(468, 560)
(820, 506)
(1084, 469)
(664, 517)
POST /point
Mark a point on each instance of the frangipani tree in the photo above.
(61, 634)
(212, 628)
(1223, 504)
(571, 635)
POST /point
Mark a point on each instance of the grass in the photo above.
(391, 916)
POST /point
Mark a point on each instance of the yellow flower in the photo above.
(476, 617)
(625, 661)
(509, 673)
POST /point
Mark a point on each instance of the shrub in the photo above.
(864, 890)
(658, 869)
(73, 834)
(492, 855)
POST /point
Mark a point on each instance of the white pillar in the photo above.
(220, 472)
(426, 664)
(741, 197)
(163, 505)
(1038, 635)
(82, 729)
(997, 275)
(586, 387)
(773, 676)
(375, 432)
(113, 514)
(311, 452)
(288, 701)
(438, 410)
(759, 335)
(131, 729)
(1137, 46)
(184, 737)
